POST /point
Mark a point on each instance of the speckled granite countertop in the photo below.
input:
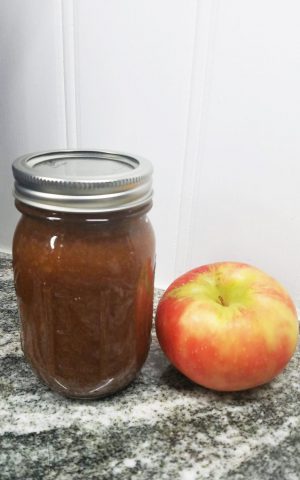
(161, 427)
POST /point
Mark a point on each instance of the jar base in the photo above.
(108, 388)
(96, 396)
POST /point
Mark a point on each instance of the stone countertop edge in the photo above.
(160, 427)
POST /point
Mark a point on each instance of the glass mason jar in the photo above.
(83, 258)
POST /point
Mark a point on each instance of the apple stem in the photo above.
(221, 301)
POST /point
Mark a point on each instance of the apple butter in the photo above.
(83, 257)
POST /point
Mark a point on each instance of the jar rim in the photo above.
(90, 217)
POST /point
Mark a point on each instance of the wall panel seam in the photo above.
(206, 19)
(182, 205)
(205, 99)
(76, 41)
(68, 46)
(187, 136)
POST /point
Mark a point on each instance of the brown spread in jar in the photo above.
(84, 283)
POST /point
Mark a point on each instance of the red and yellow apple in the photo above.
(227, 326)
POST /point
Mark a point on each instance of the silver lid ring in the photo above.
(82, 181)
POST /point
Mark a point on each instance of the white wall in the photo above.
(32, 101)
(208, 90)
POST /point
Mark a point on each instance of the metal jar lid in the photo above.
(82, 181)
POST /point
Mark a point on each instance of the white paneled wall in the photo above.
(208, 90)
(32, 103)
(134, 94)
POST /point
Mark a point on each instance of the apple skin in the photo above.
(227, 326)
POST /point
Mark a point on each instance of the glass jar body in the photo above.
(84, 285)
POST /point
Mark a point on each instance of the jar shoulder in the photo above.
(53, 244)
